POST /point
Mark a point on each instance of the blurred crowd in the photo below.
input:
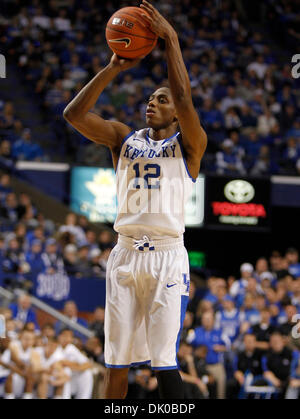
(240, 74)
(240, 339)
(52, 361)
(31, 244)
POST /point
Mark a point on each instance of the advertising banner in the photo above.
(94, 194)
(238, 203)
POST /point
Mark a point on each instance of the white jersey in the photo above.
(72, 353)
(153, 186)
(57, 356)
(25, 355)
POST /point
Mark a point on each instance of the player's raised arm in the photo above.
(92, 126)
(193, 136)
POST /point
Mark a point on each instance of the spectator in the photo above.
(264, 165)
(25, 149)
(70, 259)
(23, 313)
(34, 257)
(263, 330)
(72, 227)
(5, 151)
(258, 66)
(217, 344)
(194, 387)
(227, 161)
(277, 364)
(97, 325)
(246, 362)
(82, 377)
(71, 311)
(52, 261)
(286, 328)
(231, 100)
(265, 123)
(229, 319)
(292, 257)
(240, 285)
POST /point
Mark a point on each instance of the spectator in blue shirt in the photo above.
(251, 314)
(292, 257)
(22, 312)
(217, 343)
(229, 319)
(211, 117)
(240, 285)
(52, 260)
(227, 161)
(71, 311)
(34, 257)
(25, 149)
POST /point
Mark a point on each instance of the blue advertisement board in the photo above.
(94, 194)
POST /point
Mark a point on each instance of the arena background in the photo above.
(53, 48)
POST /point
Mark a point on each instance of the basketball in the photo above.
(128, 35)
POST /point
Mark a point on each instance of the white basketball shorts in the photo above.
(147, 289)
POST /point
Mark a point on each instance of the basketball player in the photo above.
(24, 356)
(81, 369)
(148, 271)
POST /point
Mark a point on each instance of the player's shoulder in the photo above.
(136, 135)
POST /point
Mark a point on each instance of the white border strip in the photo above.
(47, 167)
(285, 180)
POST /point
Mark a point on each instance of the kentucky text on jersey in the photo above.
(153, 185)
(133, 153)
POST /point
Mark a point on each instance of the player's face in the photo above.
(27, 340)
(161, 112)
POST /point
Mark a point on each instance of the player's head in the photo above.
(48, 330)
(161, 111)
(65, 337)
(27, 339)
(51, 346)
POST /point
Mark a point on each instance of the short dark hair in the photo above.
(49, 326)
(276, 333)
(65, 329)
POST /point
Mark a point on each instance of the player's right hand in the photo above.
(123, 64)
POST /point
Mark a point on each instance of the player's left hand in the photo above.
(158, 24)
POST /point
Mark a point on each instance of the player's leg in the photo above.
(125, 335)
(85, 385)
(170, 385)
(116, 383)
(29, 386)
(8, 388)
(18, 385)
(42, 387)
(164, 320)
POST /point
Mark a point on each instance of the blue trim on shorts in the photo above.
(133, 364)
(184, 303)
(164, 368)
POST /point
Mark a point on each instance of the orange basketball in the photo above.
(128, 35)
